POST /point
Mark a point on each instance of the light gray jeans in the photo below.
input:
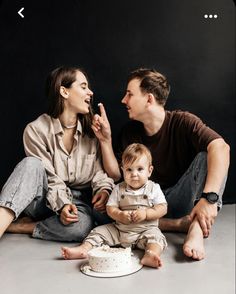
(182, 197)
(26, 190)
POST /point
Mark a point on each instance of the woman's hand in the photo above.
(99, 201)
(69, 214)
(101, 125)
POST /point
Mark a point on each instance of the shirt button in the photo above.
(71, 174)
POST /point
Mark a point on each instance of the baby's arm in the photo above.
(153, 213)
(156, 212)
(115, 213)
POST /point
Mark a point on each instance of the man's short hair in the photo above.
(151, 81)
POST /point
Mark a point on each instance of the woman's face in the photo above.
(78, 95)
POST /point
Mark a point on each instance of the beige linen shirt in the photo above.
(78, 170)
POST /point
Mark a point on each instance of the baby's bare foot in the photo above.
(151, 259)
(79, 252)
(194, 246)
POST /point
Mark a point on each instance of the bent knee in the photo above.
(77, 232)
(31, 162)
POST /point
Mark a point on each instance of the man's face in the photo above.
(135, 100)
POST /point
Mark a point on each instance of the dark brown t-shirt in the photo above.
(173, 147)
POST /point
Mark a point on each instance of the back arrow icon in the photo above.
(19, 12)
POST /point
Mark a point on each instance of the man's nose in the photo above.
(124, 100)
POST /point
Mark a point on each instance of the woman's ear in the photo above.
(64, 92)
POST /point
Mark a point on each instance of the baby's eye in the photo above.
(140, 169)
(129, 169)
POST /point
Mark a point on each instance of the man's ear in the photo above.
(151, 99)
(64, 92)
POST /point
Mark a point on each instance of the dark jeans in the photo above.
(182, 196)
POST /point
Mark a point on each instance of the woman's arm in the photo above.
(102, 130)
(58, 193)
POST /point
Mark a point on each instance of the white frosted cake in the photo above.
(107, 260)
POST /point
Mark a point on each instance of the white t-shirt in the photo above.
(156, 196)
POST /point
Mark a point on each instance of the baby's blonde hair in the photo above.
(135, 151)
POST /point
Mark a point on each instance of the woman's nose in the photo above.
(90, 92)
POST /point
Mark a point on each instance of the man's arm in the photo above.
(217, 169)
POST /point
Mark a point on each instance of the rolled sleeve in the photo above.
(58, 198)
(100, 180)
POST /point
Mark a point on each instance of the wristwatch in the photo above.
(211, 197)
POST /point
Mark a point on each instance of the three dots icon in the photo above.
(210, 16)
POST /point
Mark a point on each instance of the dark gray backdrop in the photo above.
(108, 39)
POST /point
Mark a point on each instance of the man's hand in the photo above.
(139, 215)
(101, 125)
(205, 213)
(125, 217)
(99, 201)
(69, 214)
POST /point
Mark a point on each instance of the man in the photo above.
(190, 159)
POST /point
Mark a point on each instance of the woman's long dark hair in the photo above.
(65, 76)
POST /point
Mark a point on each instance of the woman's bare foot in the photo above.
(194, 246)
(151, 259)
(24, 225)
(6, 217)
(79, 252)
(176, 225)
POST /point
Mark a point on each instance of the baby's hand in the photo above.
(139, 215)
(125, 217)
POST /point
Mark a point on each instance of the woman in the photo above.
(54, 184)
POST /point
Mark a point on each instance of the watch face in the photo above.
(212, 197)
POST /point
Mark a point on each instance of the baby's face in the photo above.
(137, 173)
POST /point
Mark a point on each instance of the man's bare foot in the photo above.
(151, 259)
(79, 252)
(24, 225)
(177, 225)
(194, 246)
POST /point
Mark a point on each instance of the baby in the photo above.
(136, 205)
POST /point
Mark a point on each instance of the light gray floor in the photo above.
(29, 266)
